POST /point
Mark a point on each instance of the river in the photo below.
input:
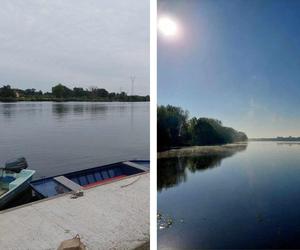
(247, 198)
(62, 137)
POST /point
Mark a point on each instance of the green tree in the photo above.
(102, 93)
(7, 92)
(171, 126)
(58, 91)
(175, 129)
(122, 96)
(29, 92)
(61, 91)
(79, 92)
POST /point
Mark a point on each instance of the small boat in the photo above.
(87, 178)
(14, 179)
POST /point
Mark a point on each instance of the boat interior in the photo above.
(10, 179)
(88, 178)
(6, 178)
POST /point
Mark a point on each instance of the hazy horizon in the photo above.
(236, 61)
(76, 43)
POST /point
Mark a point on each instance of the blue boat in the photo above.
(88, 178)
(14, 179)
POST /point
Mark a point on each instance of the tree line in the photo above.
(278, 138)
(61, 92)
(175, 129)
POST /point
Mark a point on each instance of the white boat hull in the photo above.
(12, 193)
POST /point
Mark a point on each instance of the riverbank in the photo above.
(202, 150)
(111, 216)
(5, 100)
(62, 93)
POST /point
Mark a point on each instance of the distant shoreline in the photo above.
(278, 139)
(10, 100)
(61, 93)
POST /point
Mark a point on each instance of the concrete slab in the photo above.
(111, 216)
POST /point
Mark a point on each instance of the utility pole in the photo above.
(132, 78)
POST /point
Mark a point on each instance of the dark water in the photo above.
(57, 138)
(247, 199)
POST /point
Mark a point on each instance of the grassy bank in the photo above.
(53, 99)
(202, 150)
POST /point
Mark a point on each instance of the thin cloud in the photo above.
(83, 43)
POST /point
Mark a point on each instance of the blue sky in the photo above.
(83, 43)
(235, 60)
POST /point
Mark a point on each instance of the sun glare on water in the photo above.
(167, 26)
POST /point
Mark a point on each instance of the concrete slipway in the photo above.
(110, 216)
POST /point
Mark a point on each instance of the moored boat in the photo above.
(88, 178)
(14, 179)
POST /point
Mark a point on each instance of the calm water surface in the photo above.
(61, 137)
(248, 199)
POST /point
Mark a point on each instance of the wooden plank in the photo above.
(68, 183)
(135, 165)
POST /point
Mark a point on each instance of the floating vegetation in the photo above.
(164, 221)
(227, 149)
(158, 216)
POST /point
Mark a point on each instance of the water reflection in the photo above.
(11, 110)
(60, 110)
(251, 201)
(8, 109)
(78, 109)
(288, 143)
(172, 171)
(63, 109)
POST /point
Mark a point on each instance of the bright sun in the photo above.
(167, 26)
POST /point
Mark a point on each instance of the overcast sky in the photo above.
(75, 42)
